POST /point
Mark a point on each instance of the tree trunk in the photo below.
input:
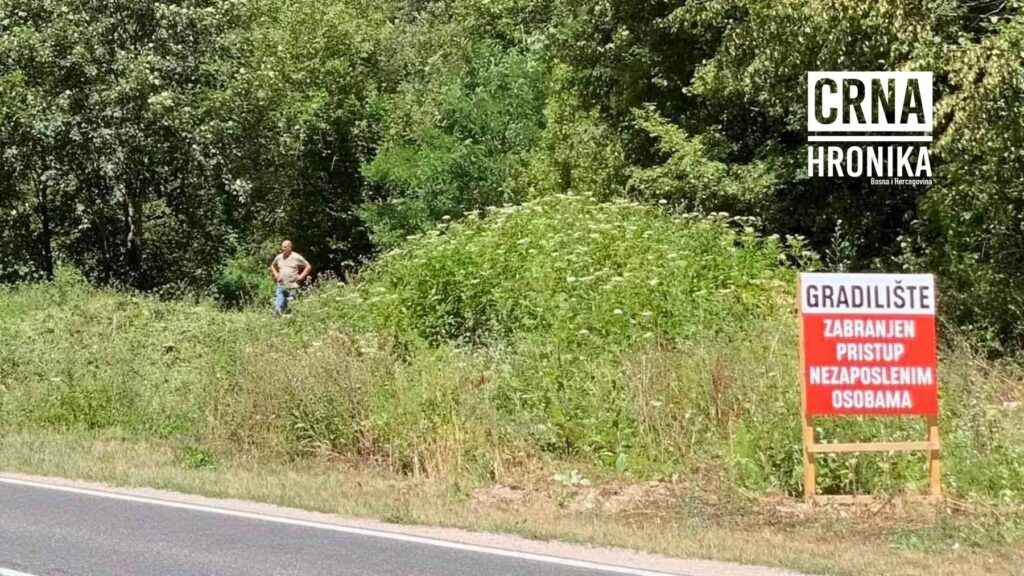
(133, 238)
(46, 232)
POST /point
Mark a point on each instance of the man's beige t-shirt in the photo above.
(288, 268)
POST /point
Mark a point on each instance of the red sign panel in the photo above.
(869, 344)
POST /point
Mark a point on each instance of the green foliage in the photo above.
(244, 281)
(455, 141)
(977, 208)
(766, 49)
(562, 289)
(296, 120)
(348, 125)
(708, 399)
(740, 142)
(709, 101)
(577, 153)
(197, 457)
(692, 177)
(613, 333)
(105, 134)
(145, 141)
(575, 270)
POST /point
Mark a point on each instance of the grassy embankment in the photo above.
(563, 369)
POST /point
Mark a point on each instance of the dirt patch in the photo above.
(613, 497)
(619, 497)
(500, 495)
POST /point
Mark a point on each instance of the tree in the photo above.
(458, 130)
(973, 219)
(297, 120)
(107, 126)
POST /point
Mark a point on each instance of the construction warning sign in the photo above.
(868, 344)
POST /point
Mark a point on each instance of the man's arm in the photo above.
(274, 271)
(305, 271)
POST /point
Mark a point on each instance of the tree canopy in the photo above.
(156, 144)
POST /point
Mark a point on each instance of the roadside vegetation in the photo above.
(561, 343)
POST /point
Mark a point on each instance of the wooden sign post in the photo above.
(868, 348)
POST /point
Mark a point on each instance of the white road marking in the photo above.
(6, 572)
(569, 562)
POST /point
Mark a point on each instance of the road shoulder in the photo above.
(440, 536)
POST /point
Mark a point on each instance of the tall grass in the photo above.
(561, 331)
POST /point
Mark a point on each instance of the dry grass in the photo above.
(673, 518)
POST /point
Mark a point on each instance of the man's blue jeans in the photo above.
(282, 297)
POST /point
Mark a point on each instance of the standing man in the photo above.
(289, 270)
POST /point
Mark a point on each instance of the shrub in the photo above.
(243, 281)
(581, 273)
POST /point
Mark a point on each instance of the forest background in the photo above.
(167, 146)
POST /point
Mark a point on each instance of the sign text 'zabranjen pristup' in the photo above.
(869, 343)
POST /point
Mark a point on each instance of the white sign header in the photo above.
(867, 293)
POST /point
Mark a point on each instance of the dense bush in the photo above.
(974, 230)
(578, 271)
(245, 279)
(242, 283)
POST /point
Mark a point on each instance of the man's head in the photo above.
(286, 248)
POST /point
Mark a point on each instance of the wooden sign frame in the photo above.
(811, 448)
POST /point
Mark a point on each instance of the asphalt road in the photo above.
(58, 530)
